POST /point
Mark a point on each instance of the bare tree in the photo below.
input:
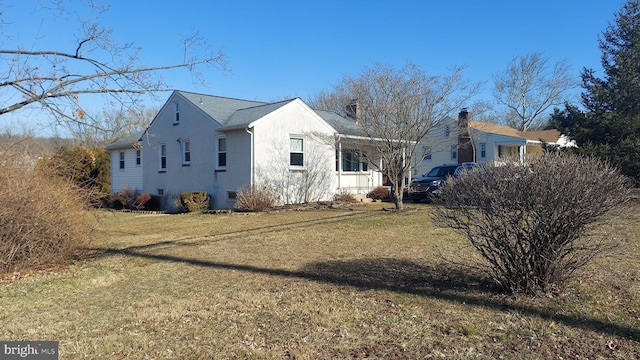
(529, 87)
(58, 80)
(399, 108)
(112, 125)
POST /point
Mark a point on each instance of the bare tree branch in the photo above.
(59, 80)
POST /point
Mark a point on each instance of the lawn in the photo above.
(314, 284)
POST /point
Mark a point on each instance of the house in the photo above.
(201, 142)
(126, 163)
(464, 140)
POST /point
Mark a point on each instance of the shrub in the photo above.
(123, 199)
(256, 198)
(534, 225)
(142, 200)
(44, 221)
(193, 201)
(344, 196)
(379, 193)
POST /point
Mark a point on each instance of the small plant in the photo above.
(193, 201)
(123, 199)
(344, 196)
(256, 198)
(379, 193)
(142, 200)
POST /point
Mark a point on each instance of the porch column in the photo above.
(522, 150)
(339, 164)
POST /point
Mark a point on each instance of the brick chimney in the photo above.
(354, 110)
(466, 150)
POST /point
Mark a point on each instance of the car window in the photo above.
(434, 172)
(441, 171)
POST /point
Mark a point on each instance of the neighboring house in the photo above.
(217, 144)
(126, 163)
(464, 140)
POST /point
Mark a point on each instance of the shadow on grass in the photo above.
(442, 281)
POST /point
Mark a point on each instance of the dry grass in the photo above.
(315, 284)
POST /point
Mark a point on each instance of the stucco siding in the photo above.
(314, 180)
(179, 176)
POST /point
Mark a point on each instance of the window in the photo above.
(427, 153)
(186, 152)
(447, 131)
(231, 195)
(296, 157)
(121, 159)
(222, 152)
(483, 150)
(354, 161)
(138, 157)
(160, 192)
(176, 114)
(162, 154)
(454, 152)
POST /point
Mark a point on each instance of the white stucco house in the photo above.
(463, 140)
(126, 163)
(201, 142)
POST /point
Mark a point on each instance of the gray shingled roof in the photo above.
(127, 142)
(233, 113)
(243, 117)
(344, 125)
(219, 108)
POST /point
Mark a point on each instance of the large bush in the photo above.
(535, 225)
(44, 221)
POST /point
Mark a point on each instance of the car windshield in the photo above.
(441, 171)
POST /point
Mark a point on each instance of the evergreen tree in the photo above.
(88, 169)
(610, 125)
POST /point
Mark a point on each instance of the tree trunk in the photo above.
(397, 197)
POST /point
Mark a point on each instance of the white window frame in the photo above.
(220, 152)
(483, 150)
(454, 152)
(185, 145)
(162, 153)
(121, 156)
(138, 157)
(292, 152)
(447, 131)
(176, 113)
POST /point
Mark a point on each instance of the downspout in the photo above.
(251, 151)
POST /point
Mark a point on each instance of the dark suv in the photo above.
(422, 187)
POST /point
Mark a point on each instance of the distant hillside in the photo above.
(34, 146)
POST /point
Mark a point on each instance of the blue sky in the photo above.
(280, 49)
